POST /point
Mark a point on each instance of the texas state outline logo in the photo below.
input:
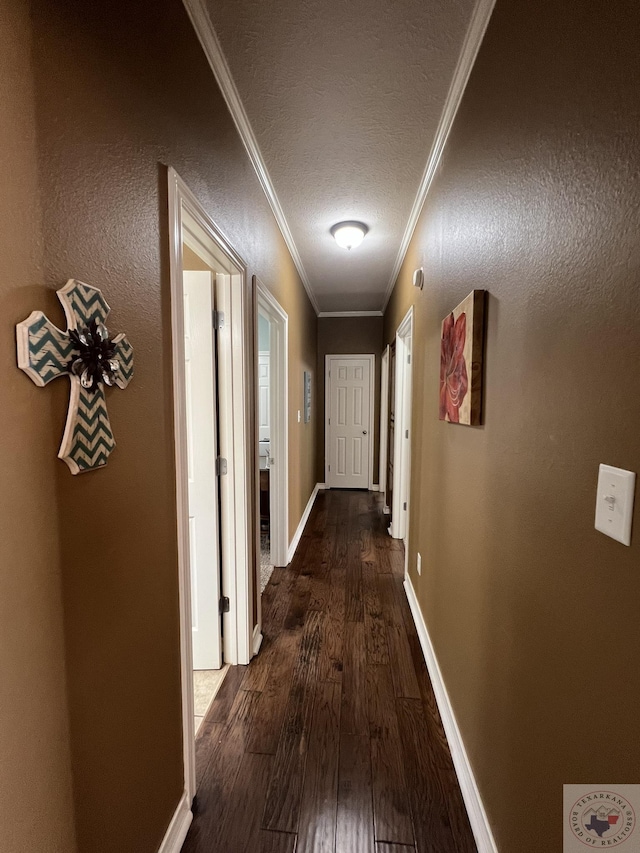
(601, 817)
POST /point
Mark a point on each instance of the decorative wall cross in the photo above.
(90, 358)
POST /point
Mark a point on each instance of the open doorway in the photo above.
(201, 276)
(209, 341)
(400, 434)
(384, 431)
(271, 437)
(264, 446)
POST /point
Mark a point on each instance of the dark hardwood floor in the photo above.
(330, 740)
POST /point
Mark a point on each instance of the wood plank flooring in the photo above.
(330, 740)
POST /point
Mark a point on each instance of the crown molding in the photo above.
(466, 60)
(323, 314)
(213, 51)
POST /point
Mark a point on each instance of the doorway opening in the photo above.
(384, 430)
(391, 430)
(400, 433)
(272, 433)
(200, 281)
(209, 340)
(264, 446)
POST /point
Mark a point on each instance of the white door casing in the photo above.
(349, 414)
(189, 222)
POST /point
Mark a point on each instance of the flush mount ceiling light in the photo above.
(349, 234)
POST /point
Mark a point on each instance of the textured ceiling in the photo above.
(344, 99)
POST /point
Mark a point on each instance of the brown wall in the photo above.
(36, 810)
(348, 336)
(532, 612)
(119, 93)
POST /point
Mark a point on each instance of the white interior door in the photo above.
(402, 432)
(264, 397)
(384, 420)
(405, 459)
(202, 444)
(349, 421)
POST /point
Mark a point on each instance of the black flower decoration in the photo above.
(96, 360)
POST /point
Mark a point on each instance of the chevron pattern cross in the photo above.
(46, 352)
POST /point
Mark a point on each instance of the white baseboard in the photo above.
(178, 828)
(386, 510)
(257, 639)
(374, 487)
(470, 793)
(303, 521)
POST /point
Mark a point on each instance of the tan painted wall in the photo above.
(532, 612)
(191, 261)
(36, 810)
(347, 336)
(119, 92)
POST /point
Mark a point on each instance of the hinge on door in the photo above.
(329, 467)
(221, 466)
(329, 421)
(404, 506)
(406, 433)
(218, 320)
(409, 359)
(224, 604)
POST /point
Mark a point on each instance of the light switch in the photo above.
(614, 503)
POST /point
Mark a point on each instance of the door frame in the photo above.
(278, 318)
(186, 212)
(399, 528)
(384, 422)
(370, 357)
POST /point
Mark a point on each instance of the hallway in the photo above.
(330, 740)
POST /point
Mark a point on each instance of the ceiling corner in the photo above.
(208, 38)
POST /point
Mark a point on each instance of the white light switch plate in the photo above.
(614, 503)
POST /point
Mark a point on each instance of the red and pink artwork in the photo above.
(461, 350)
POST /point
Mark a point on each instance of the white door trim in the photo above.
(384, 420)
(179, 826)
(464, 771)
(185, 211)
(279, 426)
(327, 408)
(402, 447)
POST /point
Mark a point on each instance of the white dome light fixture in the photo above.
(349, 234)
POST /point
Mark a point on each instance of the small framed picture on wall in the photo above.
(307, 396)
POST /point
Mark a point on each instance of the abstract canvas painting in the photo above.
(461, 351)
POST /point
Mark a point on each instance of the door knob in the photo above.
(364, 432)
